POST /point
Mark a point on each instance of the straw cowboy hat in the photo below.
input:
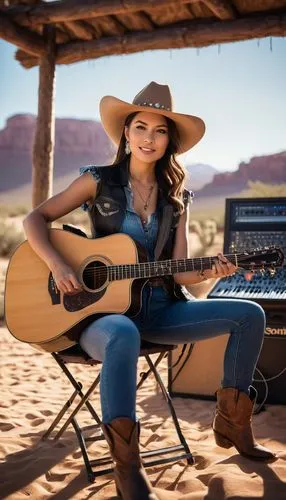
(155, 98)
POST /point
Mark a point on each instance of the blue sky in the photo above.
(238, 89)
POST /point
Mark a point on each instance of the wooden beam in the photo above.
(22, 37)
(221, 9)
(73, 10)
(187, 34)
(80, 30)
(25, 59)
(143, 20)
(112, 24)
(43, 149)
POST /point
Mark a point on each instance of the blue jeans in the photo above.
(115, 340)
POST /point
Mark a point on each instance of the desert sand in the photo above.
(33, 391)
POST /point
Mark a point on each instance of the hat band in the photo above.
(156, 105)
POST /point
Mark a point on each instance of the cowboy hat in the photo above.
(154, 98)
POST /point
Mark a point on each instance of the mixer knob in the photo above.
(272, 271)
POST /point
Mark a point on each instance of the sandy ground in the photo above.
(33, 391)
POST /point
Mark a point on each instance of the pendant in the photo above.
(145, 207)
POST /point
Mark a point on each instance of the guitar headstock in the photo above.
(268, 258)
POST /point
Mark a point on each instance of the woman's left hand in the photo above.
(221, 268)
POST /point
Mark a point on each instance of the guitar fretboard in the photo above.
(164, 267)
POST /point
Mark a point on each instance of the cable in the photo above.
(265, 381)
(271, 378)
(184, 362)
(259, 406)
(179, 357)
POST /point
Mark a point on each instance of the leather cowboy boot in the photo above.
(232, 423)
(130, 477)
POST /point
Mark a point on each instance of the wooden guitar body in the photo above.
(37, 313)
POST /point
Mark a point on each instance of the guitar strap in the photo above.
(75, 230)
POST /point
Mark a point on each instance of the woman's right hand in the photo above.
(65, 278)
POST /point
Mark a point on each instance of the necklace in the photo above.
(147, 201)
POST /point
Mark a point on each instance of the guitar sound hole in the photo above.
(95, 275)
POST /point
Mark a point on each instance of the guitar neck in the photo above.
(165, 267)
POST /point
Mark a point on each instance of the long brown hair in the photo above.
(169, 173)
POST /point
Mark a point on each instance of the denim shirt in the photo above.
(145, 234)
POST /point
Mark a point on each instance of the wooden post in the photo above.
(43, 150)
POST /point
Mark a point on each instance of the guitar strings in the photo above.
(160, 265)
(151, 265)
(155, 266)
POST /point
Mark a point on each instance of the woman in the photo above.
(143, 195)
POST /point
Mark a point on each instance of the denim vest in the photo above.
(108, 211)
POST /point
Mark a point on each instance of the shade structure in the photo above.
(86, 29)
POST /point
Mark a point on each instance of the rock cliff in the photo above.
(270, 169)
(77, 143)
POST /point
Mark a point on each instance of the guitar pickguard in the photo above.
(81, 300)
(75, 302)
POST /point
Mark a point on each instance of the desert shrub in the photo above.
(257, 189)
(205, 232)
(10, 238)
(211, 208)
(13, 211)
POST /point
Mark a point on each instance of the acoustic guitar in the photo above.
(112, 270)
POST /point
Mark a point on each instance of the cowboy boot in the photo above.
(130, 477)
(232, 423)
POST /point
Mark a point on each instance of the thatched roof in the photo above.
(86, 29)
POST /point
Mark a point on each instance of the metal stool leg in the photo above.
(58, 418)
(158, 378)
(145, 375)
(77, 386)
(90, 474)
(83, 401)
(97, 467)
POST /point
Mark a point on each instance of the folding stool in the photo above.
(94, 467)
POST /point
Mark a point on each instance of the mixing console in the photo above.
(253, 223)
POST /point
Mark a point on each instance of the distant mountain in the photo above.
(198, 175)
(270, 169)
(83, 142)
(77, 143)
